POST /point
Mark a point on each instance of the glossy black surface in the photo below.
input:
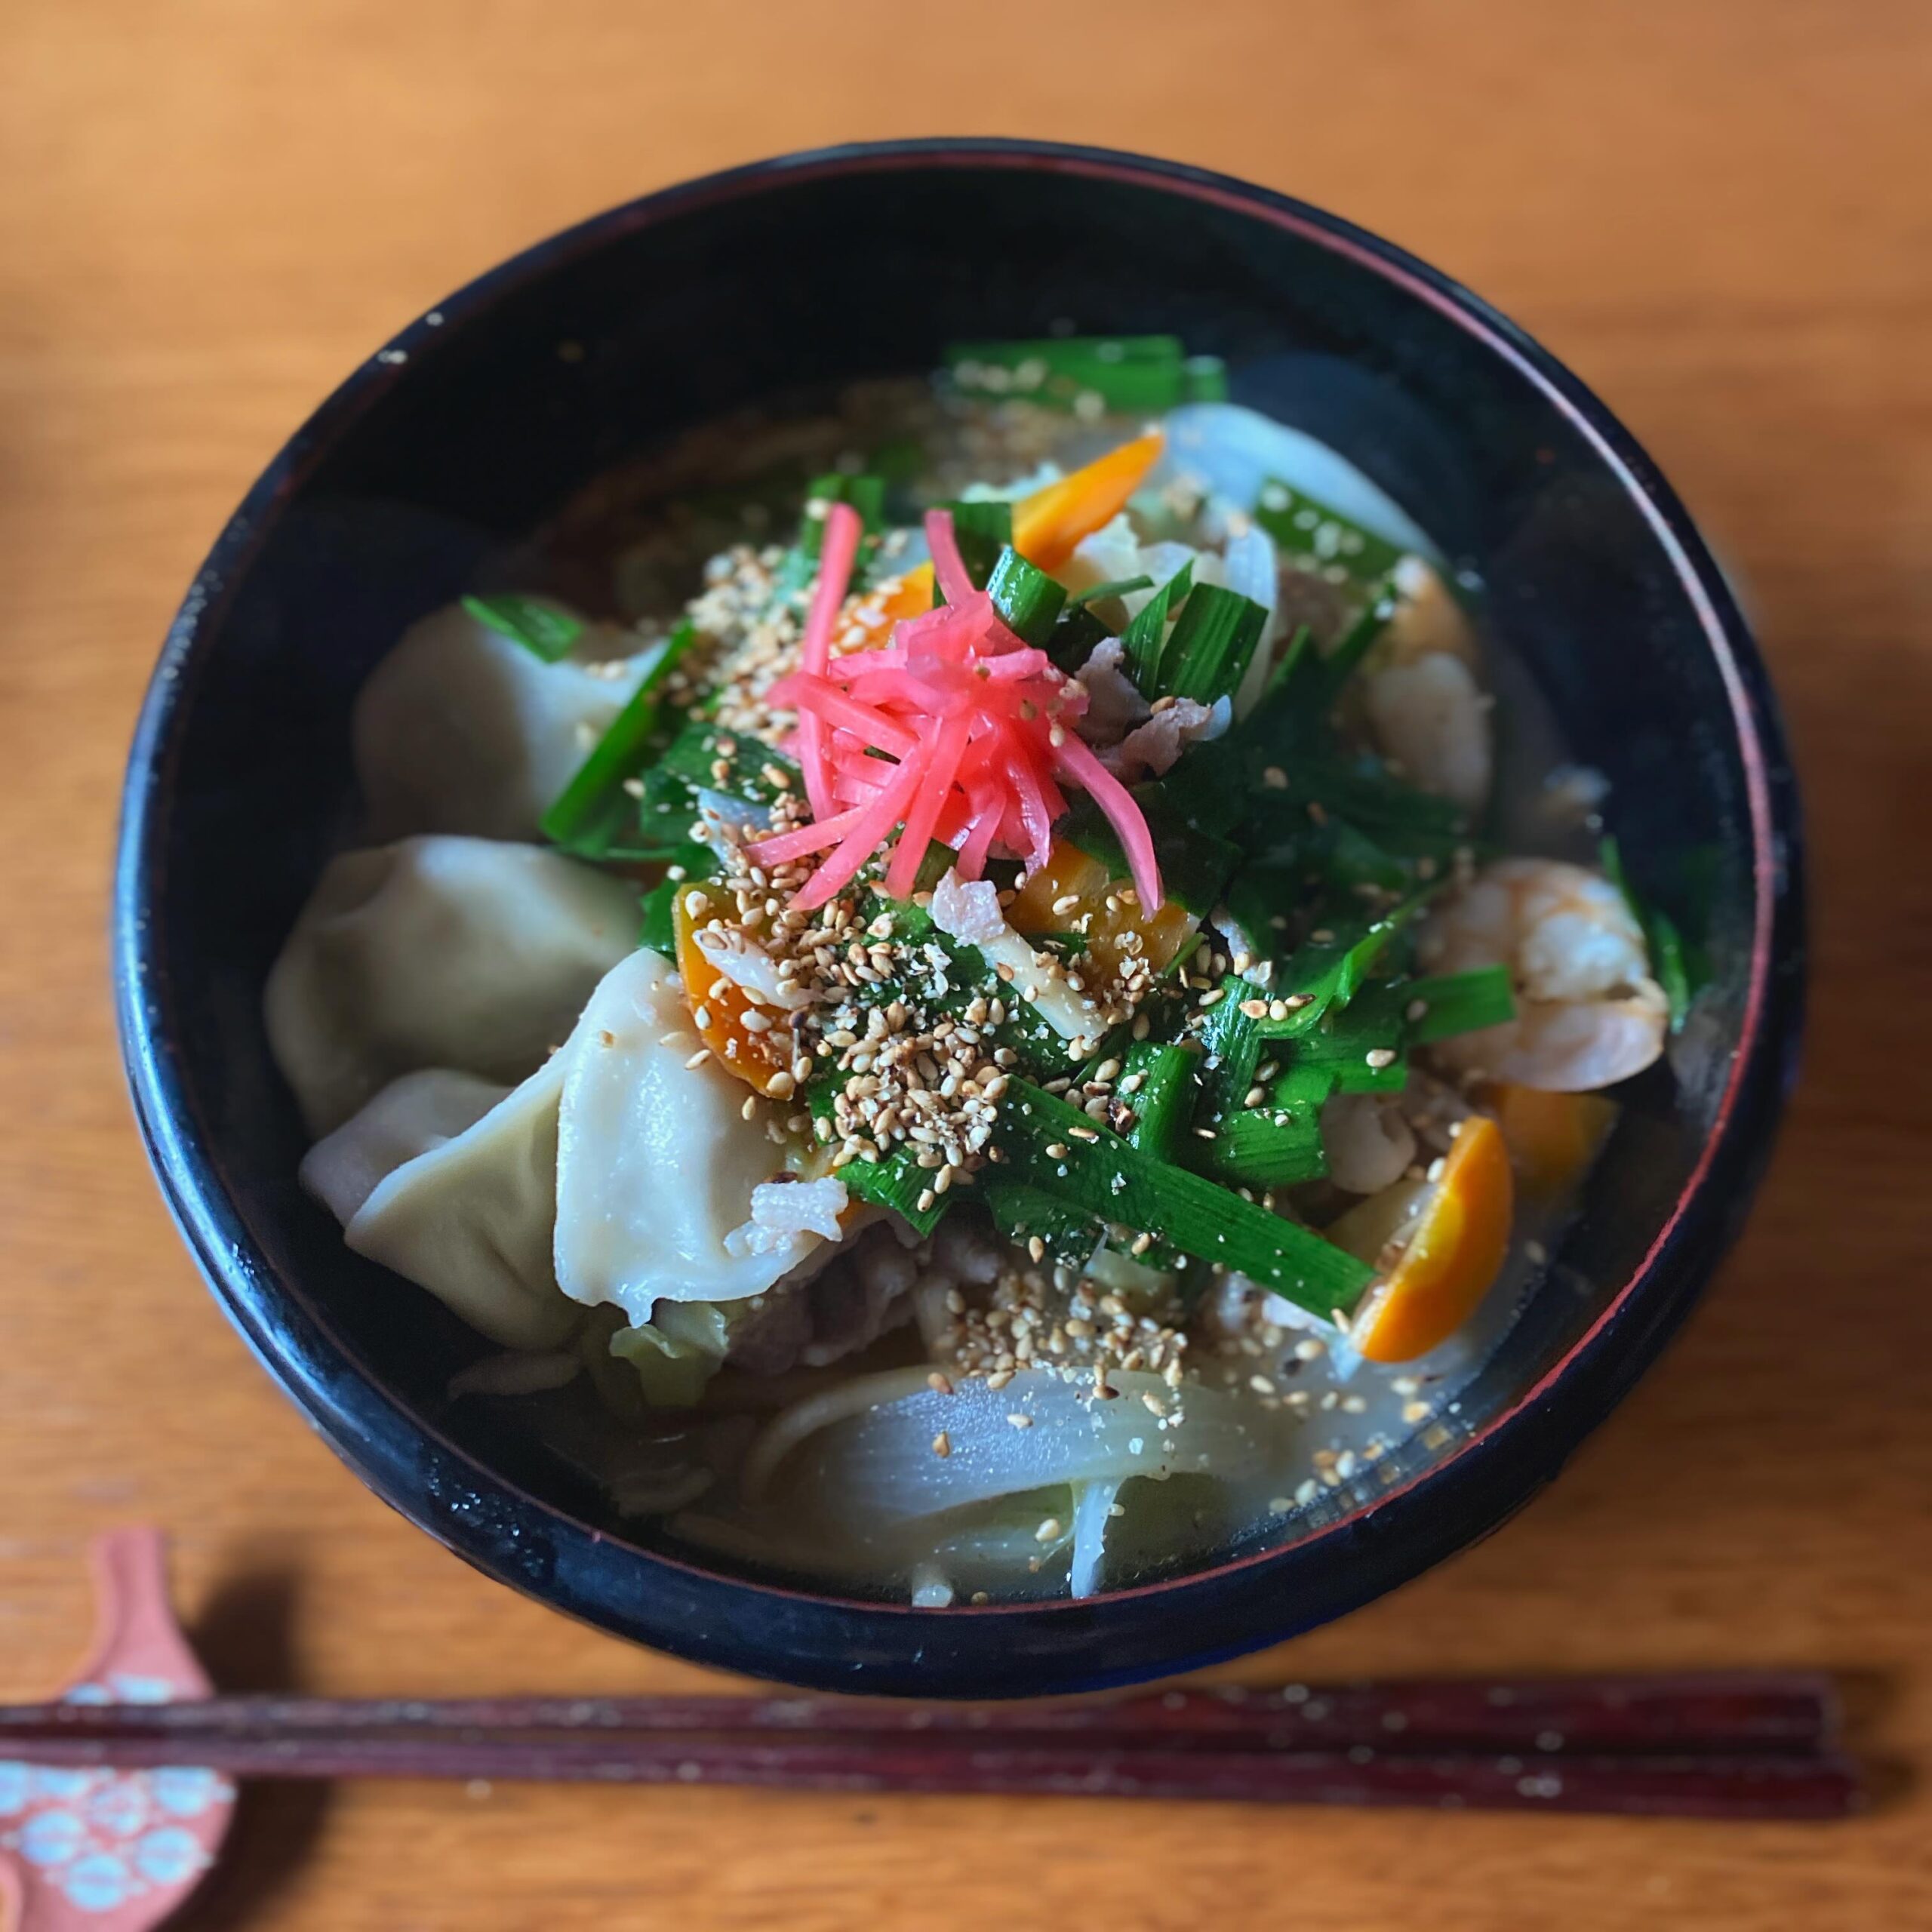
(478, 422)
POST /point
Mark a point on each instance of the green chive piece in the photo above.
(1204, 379)
(587, 815)
(1068, 1235)
(1454, 1003)
(543, 630)
(1362, 790)
(1122, 374)
(1257, 1148)
(1669, 962)
(1142, 640)
(1211, 644)
(1117, 587)
(1162, 1102)
(1364, 1044)
(1075, 637)
(1195, 863)
(1341, 663)
(1310, 537)
(1055, 1147)
(1027, 599)
(739, 766)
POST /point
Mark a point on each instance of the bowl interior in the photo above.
(484, 422)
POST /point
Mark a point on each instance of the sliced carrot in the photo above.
(1048, 524)
(719, 1006)
(1070, 873)
(1552, 1137)
(907, 596)
(1454, 1234)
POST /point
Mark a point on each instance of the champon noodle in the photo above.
(999, 1045)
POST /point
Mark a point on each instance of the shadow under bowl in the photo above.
(484, 417)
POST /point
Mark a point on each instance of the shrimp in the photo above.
(1427, 620)
(1430, 718)
(1424, 707)
(1588, 1013)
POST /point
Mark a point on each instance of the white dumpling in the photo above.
(407, 1117)
(451, 1181)
(656, 1165)
(454, 952)
(461, 729)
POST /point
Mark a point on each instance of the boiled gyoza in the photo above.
(452, 1182)
(439, 952)
(657, 1187)
(461, 729)
(658, 1170)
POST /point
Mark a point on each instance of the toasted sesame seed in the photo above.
(1048, 1531)
(942, 1445)
(1381, 1056)
(1019, 1420)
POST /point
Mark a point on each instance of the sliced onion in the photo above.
(1093, 1508)
(866, 1450)
(1253, 568)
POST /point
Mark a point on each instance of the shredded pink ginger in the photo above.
(955, 731)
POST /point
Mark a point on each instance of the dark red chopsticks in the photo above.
(1711, 1744)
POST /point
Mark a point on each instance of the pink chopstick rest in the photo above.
(114, 1851)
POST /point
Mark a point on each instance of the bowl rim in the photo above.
(1381, 1541)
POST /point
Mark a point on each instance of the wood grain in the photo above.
(1718, 211)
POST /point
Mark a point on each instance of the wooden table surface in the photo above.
(1720, 214)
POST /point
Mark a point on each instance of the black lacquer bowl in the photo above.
(482, 418)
